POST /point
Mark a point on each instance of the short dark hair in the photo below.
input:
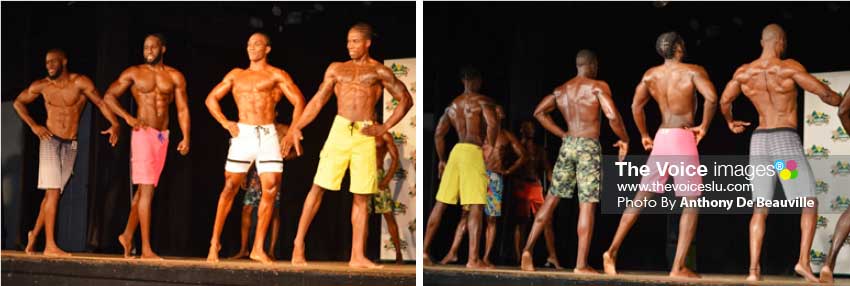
(666, 44)
(58, 51)
(268, 39)
(158, 36)
(584, 57)
(469, 72)
(364, 29)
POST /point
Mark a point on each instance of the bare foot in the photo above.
(585, 270)
(609, 263)
(298, 255)
(399, 259)
(426, 260)
(272, 257)
(150, 255)
(363, 263)
(806, 272)
(241, 254)
(553, 262)
(260, 256)
(684, 273)
(30, 244)
(476, 265)
(755, 275)
(213, 255)
(55, 251)
(488, 264)
(127, 244)
(825, 274)
(527, 263)
(450, 258)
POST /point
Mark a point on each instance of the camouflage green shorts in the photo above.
(579, 162)
(382, 201)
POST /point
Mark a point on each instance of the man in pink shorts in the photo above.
(154, 86)
(672, 85)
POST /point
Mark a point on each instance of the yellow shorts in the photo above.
(464, 176)
(346, 145)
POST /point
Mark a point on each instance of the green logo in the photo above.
(393, 104)
(388, 245)
(840, 203)
(399, 208)
(822, 222)
(817, 257)
(841, 168)
(817, 152)
(399, 69)
(821, 187)
(840, 135)
(825, 81)
(817, 118)
(398, 137)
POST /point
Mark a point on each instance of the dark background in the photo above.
(525, 50)
(205, 41)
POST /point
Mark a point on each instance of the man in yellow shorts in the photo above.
(464, 177)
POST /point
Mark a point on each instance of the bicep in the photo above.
(29, 94)
(546, 105)
(641, 94)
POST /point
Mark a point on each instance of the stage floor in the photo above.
(459, 275)
(18, 268)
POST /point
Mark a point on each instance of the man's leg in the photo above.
(808, 222)
(270, 182)
(609, 258)
(275, 231)
(543, 216)
(489, 238)
(225, 200)
(687, 228)
(126, 237)
(39, 224)
(145, 220)
(585, 233)
(756, 239)
(476, 213)
(392, 227)
(842, 229)
(433, 224)
(549, 235)
(50, 247)
(359, 226)
(244, 229)
(460, 232)
(311, 206)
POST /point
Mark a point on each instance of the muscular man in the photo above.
(528, 192)
(253, 195)
(580, 159)
(673, 85)
(382, 202)
(65, 97)
(357, 84)
(254, 138)
(464, 176)
(770, 84)
(154, 86)
(495, 174)
(842, 228)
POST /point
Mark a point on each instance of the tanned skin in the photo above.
(842, 228)
(770, 83)
(154, 86)
(254, 90)
(65, 96)
(384, 145)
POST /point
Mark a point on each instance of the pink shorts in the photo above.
(675, 146)
(148, 148)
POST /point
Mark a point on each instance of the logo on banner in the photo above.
(787, 169)
(399, 208)
(822, 222)
(817, 152)
(841, 169)
(821, 187)
(399, 137)
(817, 118)
(399, 69)
(817, 257)
(825, 81)
(393, 104)
(840, 135)
(388, 245)
(840, 203)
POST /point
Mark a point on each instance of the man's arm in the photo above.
(292, 93)
(116, 90)
(638, 103)
(813, 85)
(87, 87)
(440, 140)
(732, 90)
(294, 137)
(541, 113)
(181, 99)
(399, 92)
(706, 88)
(606, 102)
(394, 158)
(488, 110)
(212, 103)
(26, 97)
(844, 110)
(520, 152)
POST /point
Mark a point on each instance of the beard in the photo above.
(156, 60)
(58, 72)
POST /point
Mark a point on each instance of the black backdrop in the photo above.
(205, 41)
(524, 50)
